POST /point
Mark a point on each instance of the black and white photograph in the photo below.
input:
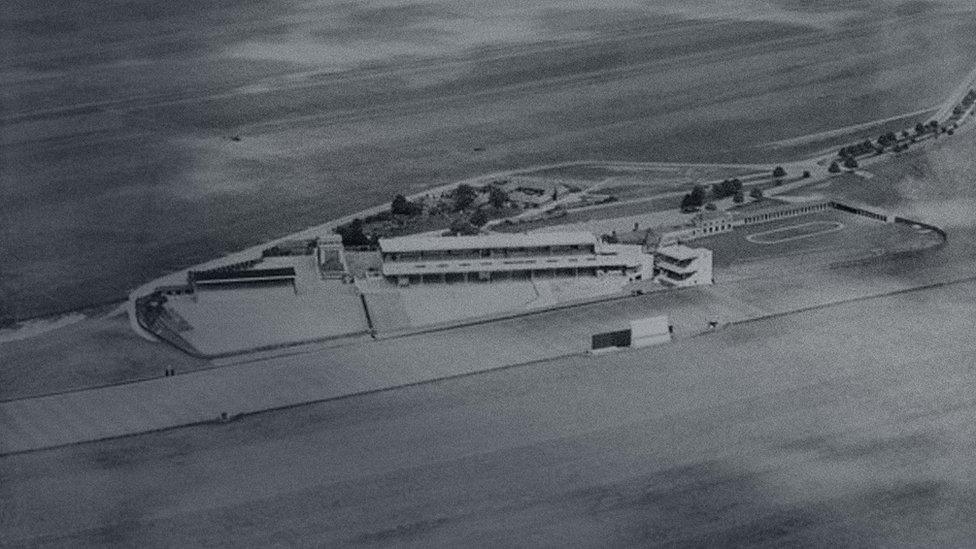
(487, 273)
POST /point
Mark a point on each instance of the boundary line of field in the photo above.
(835, 226)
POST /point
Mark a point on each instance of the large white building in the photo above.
(679, 265)
(414, 259)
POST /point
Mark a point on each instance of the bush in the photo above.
(739, 198)
(850, 164)
(497, 197)
(463, 227)
(726, 188)
(756, 193)
(806, 174)
(479, 218)
(352, 233)
(464, 196)
(694, 199)
(834, 167)
(779, 172)
(402, 206)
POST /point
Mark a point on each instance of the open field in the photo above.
(786, 431)
(117, 164)
(783, 431)
(664, 173)
(607, 212)
(933, 184)
(93, 352)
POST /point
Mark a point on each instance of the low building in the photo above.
(482, 258)
(717, 222)
(331, 257)
(707, 223)
(763, 214)
(679, 265)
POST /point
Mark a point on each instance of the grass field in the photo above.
(90, 353)
(823, 237)
(800, 430)
(789, 431)
(117, 164)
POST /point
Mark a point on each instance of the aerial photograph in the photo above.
(459, 273)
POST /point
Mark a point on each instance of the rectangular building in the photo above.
(679, 265)
(505, 256)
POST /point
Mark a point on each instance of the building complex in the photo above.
(483, 258)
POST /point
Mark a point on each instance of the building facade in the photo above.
(678, 265)
(483, 258)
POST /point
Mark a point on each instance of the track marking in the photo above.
(756, 238)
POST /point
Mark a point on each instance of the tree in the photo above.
(739, 197)
(463, 227)
(711, 206)
(464, 196)
(834, 167)
(779, 172)
(479, 218)
(352, 233)
(687, 203)
(402, 206)
(919, 129)
(497, 197)
(806, 174)
(756, 193)
(850, 164)
(726, 188)
(698, 195)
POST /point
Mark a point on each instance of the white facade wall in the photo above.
(477, 258)
(682, 266)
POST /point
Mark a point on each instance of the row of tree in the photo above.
(402, 206)
(699, 195)
(729, 187)
(886, 140)
(464, 197)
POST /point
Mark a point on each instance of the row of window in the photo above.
(492, 252)
(787, 213)
(510, 262)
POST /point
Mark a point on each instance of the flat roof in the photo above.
(250, 274)
(678, 251)
(495, 240)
